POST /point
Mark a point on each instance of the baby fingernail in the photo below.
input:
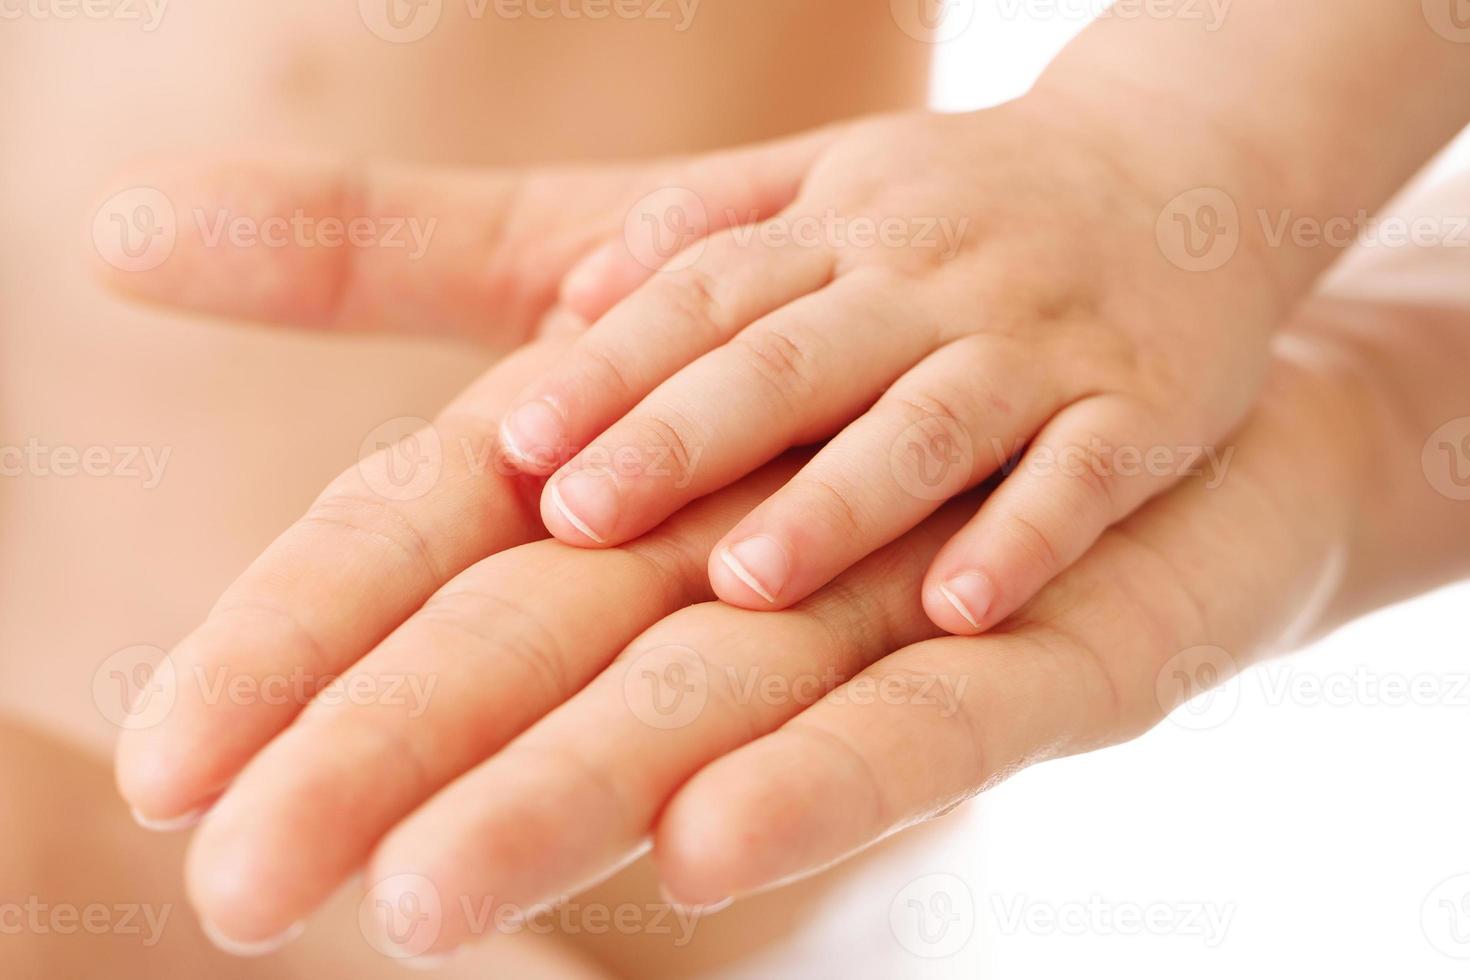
(761, 563)
(259, 947)
(588, 499)
(707, 908)
(534, 433)
(971, 595)
(170, 824)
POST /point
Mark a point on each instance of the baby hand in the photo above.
(949, 299)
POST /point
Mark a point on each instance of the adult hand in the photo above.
(769, 778)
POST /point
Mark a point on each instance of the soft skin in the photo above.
(752, 791)
(942, 292)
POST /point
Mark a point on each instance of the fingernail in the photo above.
(171, 824)
(534, 433)
(588, 499)
(971, 595)
(259, 948)
(760, 563)
(709, 908)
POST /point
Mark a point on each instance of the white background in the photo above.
(1319, 822)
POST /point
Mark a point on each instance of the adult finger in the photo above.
(482, 660)
(378, 542)
(337, 246)
(1199, 582)
(514, 832)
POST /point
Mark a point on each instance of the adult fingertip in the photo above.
(250, 948)
(157, 786)
(169, 825)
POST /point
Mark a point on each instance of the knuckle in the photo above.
(930, 405)
(293, 635)
(697, 300)
(604, 362)
(1038, 542)
(781, 359)
(838, 506)
(380, 521)
(505, 630)
(1095, 484)
(880, 810)
(677, 439)
(361, 725)
(573, 766)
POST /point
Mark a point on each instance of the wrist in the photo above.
(1308, 116)
(1181, 161)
